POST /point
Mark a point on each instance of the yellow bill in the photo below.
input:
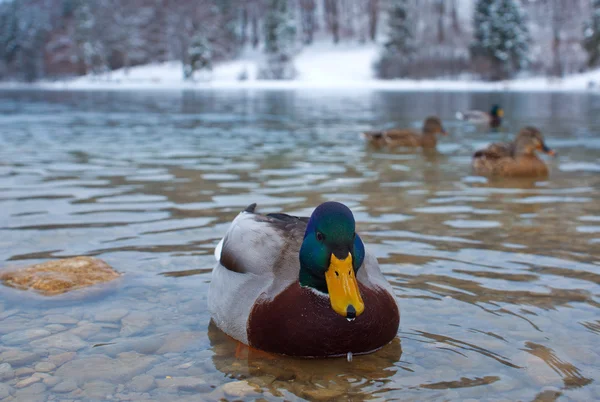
(501, 113)
(343, 288)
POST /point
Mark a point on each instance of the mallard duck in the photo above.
(493, 118)
(301, 286)
(402, 137)
(517, 158)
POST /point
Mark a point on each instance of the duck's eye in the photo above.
(320, 236)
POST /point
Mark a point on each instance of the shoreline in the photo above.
(519, 85)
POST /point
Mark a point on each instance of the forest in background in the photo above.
(488, 39)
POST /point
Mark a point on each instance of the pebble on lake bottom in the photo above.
(67, 385)
(61, 358)
(6, 372)
(60, 276)
(142, 383)
(17, 358)
(123, 368)
(45, 367)
(62, 340)
(28, 381)
(239, 389)
(98, 389)
(20, 337)
(5, 390)
(189, 384)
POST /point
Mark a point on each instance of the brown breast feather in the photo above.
(299, 322)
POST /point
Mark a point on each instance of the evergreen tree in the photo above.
(280, 34)
(9, 32)
(199, 56)
(89, 48)
(23, 31)
(308, 20)
(229, 38)
(501, 37)
(591, 35)
(399, 45)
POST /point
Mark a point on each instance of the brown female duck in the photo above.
(401, 137)
(515, 159)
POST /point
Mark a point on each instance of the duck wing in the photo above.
(374, 137)
(402, 137)
(257, 257)
(495, 151)
(473, 115)
(261, 244)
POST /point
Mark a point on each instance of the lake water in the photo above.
(498, 282)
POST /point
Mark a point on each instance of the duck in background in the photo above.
(514, 159)
(493, 118)
(405, 137)
(301, 286)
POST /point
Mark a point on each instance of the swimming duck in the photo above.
(402, 137)
(493, 118)
(301, 286)
(517, 159)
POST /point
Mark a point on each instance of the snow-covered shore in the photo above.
(319, 67)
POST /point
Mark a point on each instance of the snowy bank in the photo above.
(321, 66)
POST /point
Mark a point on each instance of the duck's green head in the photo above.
(497, 111)
(330, 257)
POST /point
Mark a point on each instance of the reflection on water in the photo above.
(364, 377)
(497, 280)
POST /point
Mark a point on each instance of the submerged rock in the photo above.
(239, 389)
(62, 340)
(189, 384)
(19, 337)
(101, 390)
(5, 390)
(113, 315)
(142, 383)
(28, 381)
(60, 359)
(6, 372)
(67, 385)
(122, 369)
(17, 357)
(45, 367)
(56, 277)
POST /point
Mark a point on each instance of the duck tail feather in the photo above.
(371, 135)
(251, 208)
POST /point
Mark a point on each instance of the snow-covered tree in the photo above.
(9, 32)
(424, 38)
(127, 40)
(156, 32)
(332, 18)
(399, 45)
(308, 20)
(200, 56)
(279, 38)
(591, 35)
(373, 6)
(90, 49)
(501, 37)
(229, 24)
(22, 37)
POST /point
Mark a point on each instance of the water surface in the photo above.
(498, 282)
